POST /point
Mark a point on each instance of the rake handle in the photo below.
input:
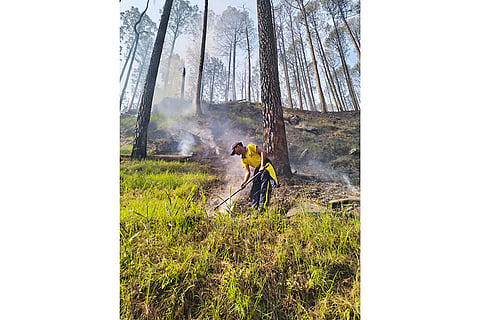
(251, 179)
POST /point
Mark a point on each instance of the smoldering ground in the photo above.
(323, 172)
(205, 135)
(208, 138)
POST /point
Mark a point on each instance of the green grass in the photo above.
(126, 150)
(245, 121)
(127, 121)
(175, 263)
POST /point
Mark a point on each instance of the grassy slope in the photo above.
(177, 264)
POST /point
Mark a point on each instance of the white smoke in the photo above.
(186, 142)
(348, 183)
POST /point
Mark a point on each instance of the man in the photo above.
(255, 157)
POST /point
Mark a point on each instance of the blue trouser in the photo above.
(261, 189)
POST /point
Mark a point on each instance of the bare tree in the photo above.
(181, 16)
(250, 38)
(213, 75)
(274, 137)
(231, 33)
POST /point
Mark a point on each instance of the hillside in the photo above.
(324, 149)
(181, 258)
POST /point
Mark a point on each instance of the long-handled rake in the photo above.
(251, 179)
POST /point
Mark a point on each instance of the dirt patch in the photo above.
(316, 195)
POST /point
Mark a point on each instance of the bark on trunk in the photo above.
(198, 108)
(139, 150)
(182, 93)
(274, 138)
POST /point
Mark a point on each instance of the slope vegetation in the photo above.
(181, 259)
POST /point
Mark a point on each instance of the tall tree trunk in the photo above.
(297, 80)
(329, 96)
(140, 73)
(274, 138)
(182, 92)
(342, 95)
(305, 92)
(139, 150)
(125, 84)
(198, 108)
(348, 80)
(273, 22)
(285, 68)
(227, 87)
(350, 33)
(296, 71)
(326, 67)
(249, 66)
(234, 89)
(306, 76)
(134, 44)
(212, 84)
(202, 89)
(314, 60)
(242, 86)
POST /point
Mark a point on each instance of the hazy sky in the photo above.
(216, 5)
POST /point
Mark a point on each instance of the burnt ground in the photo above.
(316, 195)
(324, 151)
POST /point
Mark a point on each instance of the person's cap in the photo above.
(234, 145)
